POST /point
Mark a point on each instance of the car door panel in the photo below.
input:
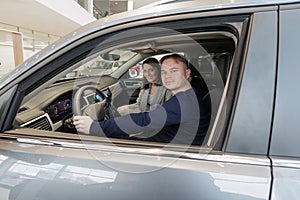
(284, 148)
(286, 175)
(132, 88)
(128, 92)
(34, 172)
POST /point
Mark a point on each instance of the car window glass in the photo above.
(209, 56)
(103, 64)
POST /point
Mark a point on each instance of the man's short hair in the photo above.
(177, 57)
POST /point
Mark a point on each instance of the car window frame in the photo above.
(26, 87)
(257, 133)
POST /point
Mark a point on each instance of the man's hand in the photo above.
(82, 124)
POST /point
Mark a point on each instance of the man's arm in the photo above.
(165, 115)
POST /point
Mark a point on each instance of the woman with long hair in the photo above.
(152, 92)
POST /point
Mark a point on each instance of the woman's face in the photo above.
(151, 73)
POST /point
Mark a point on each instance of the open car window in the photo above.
(106, 71)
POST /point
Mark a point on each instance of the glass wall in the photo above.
(17, 44)
(6, 52)
(102, 8)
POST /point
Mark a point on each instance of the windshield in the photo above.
(102, 64)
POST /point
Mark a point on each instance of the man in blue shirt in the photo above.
(182, 119)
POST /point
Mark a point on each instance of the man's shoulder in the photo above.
(187, 93)
(191, 96)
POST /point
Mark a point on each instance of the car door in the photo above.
(284, 149)
(132, 81)
(233, 162)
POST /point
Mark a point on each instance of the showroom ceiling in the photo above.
(53, 17)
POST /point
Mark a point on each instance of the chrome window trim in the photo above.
(132, 150)
(289, 162)
(290, 6)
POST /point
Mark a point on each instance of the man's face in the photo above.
(175, 75)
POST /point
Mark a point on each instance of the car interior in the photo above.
(78, 91)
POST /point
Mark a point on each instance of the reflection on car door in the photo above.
(77, 174)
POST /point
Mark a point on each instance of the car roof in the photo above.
(206, 2)
(184, 6)
(163, 8)
(170, 7)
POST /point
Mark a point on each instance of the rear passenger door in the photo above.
(285, 148)
(244, 139)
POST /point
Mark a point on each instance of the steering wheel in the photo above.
(97, 110)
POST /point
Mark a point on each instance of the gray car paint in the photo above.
(255, 104)
(75, 173)
(40, 168)
(284, 148)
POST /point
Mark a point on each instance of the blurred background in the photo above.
(27, 26)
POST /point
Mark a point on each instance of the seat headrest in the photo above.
(203, 65)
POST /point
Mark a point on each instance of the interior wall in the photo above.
(6, 52)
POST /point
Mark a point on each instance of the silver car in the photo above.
(246, 53)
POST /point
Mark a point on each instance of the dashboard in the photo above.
(61, 108)
(52, 108)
